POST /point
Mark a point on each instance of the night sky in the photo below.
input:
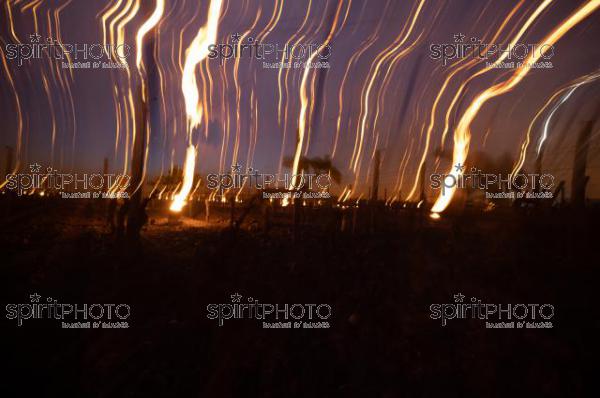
(400, 103)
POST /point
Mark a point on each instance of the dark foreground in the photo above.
(380, 285)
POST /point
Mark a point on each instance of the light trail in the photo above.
(462, 135)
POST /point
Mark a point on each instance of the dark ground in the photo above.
(382, 342)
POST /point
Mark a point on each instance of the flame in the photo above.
(462, 135)
(188, 179)
(196, 52)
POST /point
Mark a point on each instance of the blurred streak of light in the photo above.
(318, 84)
(11, 22)
(567, 95)
(401, 171)
(346, 188)
(431, 125)
(116, 19)
(195, 188)
(457, 68)
(106, 14)
(154, 187)
(163, 92)
(34, 5)
(121, 26)
(278, 8)
(129, 140)
(516, 38)
(462, 87)
(160, 194)
(348, 193)
(275, 18)
(53, 117)
(252, 139)
(65, 82)
(238, 90)
(302, 131)
(366, 44)
(117, 119)
(196, 52)
(145, 28)
(373, 73)
(19, 116)
(570, 89)
(462, 134)
(279, 86)
(485, 136)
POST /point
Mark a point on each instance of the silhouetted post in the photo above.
(423, 201)
(136, 212)
(560, 189)
(343, 221)
(9, 161)
(354, 216)
(232, 214)
(266, 216)
(207, 208)
(375, 189)
(579, 179)
(105, 202)
(7, 170)
(297, 213)
(106, 187)
(137, 170)
(538, 170)
(422, 183)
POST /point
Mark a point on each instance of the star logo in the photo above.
(459, 167)
(235, 38)
(35, 168)
(235, 298)
(458, 298)
(34, 38)
(236, 168)
(35, 298)
(459, 38)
